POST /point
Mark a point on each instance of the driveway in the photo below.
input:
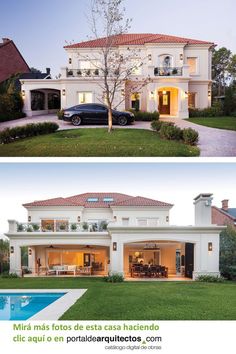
(212, 142)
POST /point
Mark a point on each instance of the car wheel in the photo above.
(122, 120)
(76, 120)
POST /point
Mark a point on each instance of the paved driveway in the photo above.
(212, 142)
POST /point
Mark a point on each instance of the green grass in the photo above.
(228, 123)
(140, 300)
(98, 142)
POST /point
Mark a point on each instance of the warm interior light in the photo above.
(164, 92)
(136, 254)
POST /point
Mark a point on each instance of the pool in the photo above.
(23, 305)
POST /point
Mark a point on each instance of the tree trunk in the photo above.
(109, 120)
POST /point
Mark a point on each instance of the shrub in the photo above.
(210, 279)
(11, 105)
(228, 253)
(190, 136)
(215, 111)
(156, 125)
(60, 114)
(35, 227)
(73, 227)
(145, 116)
(170, 132)
(114, 278)
(9, 275)
(28, 130)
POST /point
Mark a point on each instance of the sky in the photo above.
(40, 29)
(176, 183)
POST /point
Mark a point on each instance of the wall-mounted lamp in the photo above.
(12, 249)
(186, 94)
(122, 92)
(181, 57)
(29, 218)
(209, 93)
(23, 93)
(114, 246)
(70, 61)
(150, 57)
(78, 218)
(115, 218)
(30, 252)
(63, 92)
(152, 95)
(167, 218)
(210, 247)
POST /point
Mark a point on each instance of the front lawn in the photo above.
(97, 142)
(140, 300)
(228, 123)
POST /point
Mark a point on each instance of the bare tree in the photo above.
(115, 65)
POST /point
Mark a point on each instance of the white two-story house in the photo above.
(97, 233)
(178, 70)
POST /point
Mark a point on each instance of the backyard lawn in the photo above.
(140, 300)
(228, 123)
(97, 142)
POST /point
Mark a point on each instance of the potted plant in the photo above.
(35, 227)
(88, 72)
(96, 72)
(103, 226)
(70, 73)
(48, 227)
(79, 72)
(175, 71)
(73, 227)
(20, 228)
(85, 226)
(29, 228)
(62, 227)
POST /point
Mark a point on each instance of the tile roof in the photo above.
(82, 200)
(137, 39)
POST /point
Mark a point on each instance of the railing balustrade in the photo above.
(162, 71)
(63, 227)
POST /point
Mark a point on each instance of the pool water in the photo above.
(21, 306)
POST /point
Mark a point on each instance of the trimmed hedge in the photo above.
(141, 116)
(5, 117)
(210, 279)
(114, 278)
(11, 134)
(215, 111)
(169, 131)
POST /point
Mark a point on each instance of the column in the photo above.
(117, 256)
(15, 259)
(31, 259)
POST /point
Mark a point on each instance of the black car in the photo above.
(95, 113)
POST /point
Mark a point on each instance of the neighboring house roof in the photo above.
(231, 213)
(12, 62)
(115, 199)
(137, 39)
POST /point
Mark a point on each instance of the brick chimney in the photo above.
(48, 70)
(225, 204)
(5, 40)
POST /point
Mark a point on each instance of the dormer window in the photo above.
(92, 200)
(108, 199)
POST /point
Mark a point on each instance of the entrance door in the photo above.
(86, 259)
(189, 260)
(164, 102)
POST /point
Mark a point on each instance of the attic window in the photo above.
(108, 199)
(92, 200)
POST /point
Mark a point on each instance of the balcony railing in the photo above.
(63, 227)
(161, 71)
(82, 72)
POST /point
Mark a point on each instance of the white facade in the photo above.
(180, 76)
(67, 235)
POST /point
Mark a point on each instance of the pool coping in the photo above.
(55, 310)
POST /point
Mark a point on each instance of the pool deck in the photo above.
(55, 310)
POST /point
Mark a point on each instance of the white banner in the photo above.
(165, 337)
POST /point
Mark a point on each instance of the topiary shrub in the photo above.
(156, 125)
(7, 275)
(114, 278)
(210, 279)
(190, 136)
(28, 130)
